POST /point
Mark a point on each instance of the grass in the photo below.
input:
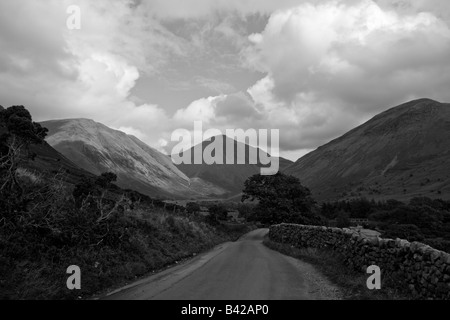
(177, 239)
(33, 266)
(352, 283)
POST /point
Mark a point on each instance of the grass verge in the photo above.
(352, 283)
(154, 241)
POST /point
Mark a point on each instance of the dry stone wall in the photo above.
(425, 270)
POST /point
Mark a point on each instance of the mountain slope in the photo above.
(49, 162)
(401, 153)
(97, 149)
(230, 177)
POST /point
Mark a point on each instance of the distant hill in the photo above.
(49, 162)
(97, 149)
(230, 177)
(401, 153)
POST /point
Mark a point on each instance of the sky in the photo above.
(312, 69)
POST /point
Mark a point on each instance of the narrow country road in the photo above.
(242, 270)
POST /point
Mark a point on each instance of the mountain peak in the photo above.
(418, 105)
(236, 167)
(98, 148)
(78, 122)
(400, 153)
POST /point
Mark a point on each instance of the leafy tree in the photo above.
(281, 198)
(403, 231)
(217, 212)
(360, 208)
(193, 208)
(421, 201)
(421, 219)
(106, 179)
(91, 188)
(328, 210)
(246, 211)
(343, 220)
(17, 133)
(393, 204)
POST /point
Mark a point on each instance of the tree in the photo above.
(93, 187)
(246, 211)
(343, 220)
(218, 212)
(193, 208)
(17, 133)
(281, 198)
(106, 179)
(409, 232)
(360, 208)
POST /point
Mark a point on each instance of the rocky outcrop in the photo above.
(425, 270)
(97, 148)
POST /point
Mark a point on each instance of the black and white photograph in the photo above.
(219, 156)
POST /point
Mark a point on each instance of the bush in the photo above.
(98, 233)
(193, 208)
(47, 225)
(246, 211)
(217, 212)
(343, 220)
(422, 219)
(403, 231)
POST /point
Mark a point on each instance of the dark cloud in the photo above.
(237, 107)
(313, 69)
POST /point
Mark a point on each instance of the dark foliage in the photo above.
(422, 219)
(217, 212)
(17, 133)
(246, 211)
(281, 198)
(343, 220)
(111, 234)
(193, 208)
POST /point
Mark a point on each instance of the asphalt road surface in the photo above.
(242, 270)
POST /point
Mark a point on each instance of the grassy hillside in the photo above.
(226, 177)
(97, 148)
(111, 238)
(400, 154)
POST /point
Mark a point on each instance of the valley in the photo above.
(399, 154)
(391, 172)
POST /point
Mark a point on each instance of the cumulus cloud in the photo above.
(201, 8)
(215, 85)
(332, 64)
(335, 47)
(200, 110)
(90, 72)
(323, 66)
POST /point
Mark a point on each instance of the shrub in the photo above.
(193, 208)
(403, 231)
(47, 225)
(343, 220)
(217, 212)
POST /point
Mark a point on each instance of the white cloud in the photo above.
(328, 65)
(83, 73)
(332, 65)
(200, 110)
(334, 48)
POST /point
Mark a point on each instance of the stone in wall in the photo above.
(425, 270)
